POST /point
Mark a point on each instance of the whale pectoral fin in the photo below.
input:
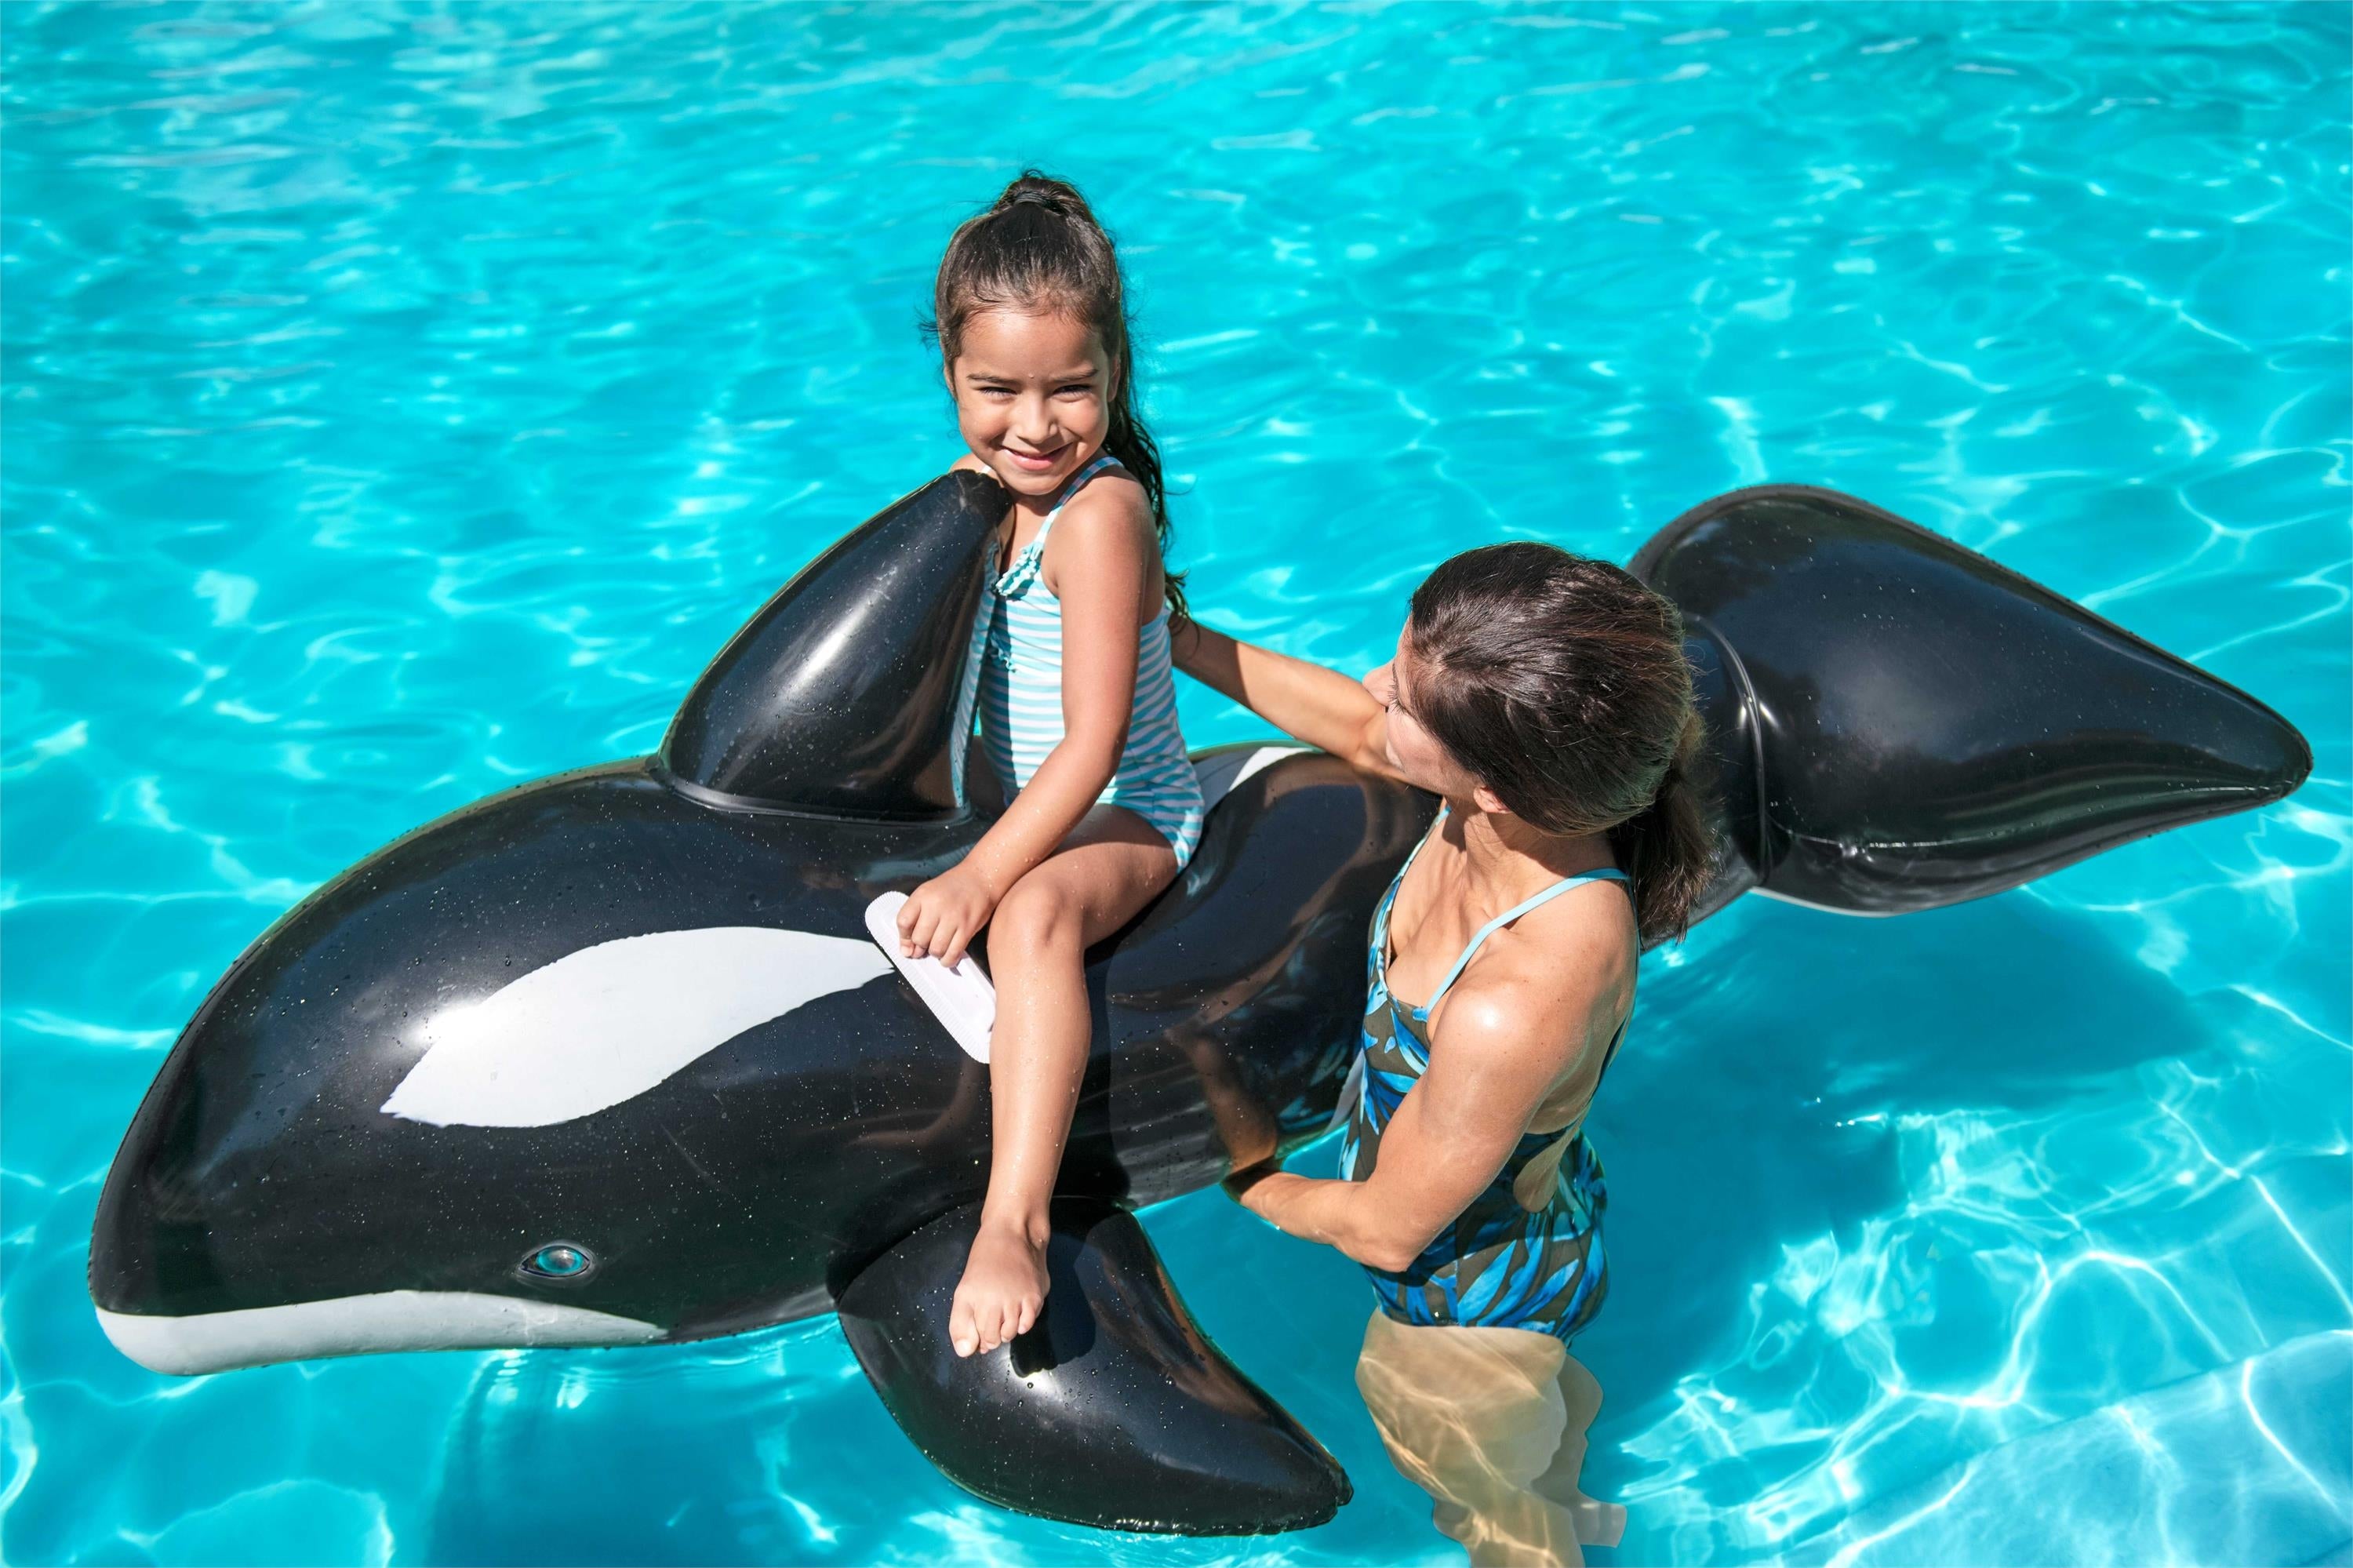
(1116, 1411)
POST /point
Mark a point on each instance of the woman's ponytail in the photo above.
(1667, 849)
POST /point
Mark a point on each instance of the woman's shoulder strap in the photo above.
(1514, 912)
(1381, 916)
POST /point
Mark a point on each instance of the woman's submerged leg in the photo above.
(1112, 865)
(1491, 1424)
(1579, 1392)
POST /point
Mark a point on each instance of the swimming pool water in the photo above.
(402, 402)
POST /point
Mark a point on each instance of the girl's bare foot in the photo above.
(1003, 1288)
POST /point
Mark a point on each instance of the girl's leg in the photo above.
(1110, 867)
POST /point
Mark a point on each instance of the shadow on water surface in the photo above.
(1849, 1160)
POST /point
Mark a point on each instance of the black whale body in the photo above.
(511, 1079)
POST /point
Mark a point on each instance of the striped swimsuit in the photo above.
(1018, 637)
(1526, 1251)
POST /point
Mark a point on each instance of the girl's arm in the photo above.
(1305, 700)
(1103, 553)
(1505, 1046)
(1101, 557)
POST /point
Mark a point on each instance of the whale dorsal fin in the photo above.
(842, 694)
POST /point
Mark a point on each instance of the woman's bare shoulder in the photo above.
(969, 464)
(1565, 963)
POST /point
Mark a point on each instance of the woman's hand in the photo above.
(1242, 1183)
(942, 915)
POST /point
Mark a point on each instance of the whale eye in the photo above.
(559, 1260)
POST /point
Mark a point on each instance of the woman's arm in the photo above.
(1505, 1048)
(1305, 700)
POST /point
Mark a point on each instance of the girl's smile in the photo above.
(1045, 464)
(1033, 394)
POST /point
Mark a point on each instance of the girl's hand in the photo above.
(942, 915)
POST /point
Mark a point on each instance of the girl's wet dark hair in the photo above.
(1038, 247)
(1560, 683)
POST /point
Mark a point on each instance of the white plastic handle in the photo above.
(960, 998)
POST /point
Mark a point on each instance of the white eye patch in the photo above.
(607, 1022)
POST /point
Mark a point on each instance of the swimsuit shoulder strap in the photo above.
(1078, 481)
(1381, 920)
(1607, 873)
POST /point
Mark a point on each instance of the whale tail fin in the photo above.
(1114, 1411)
(1899, 722)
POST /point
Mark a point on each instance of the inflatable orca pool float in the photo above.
(610, 1058)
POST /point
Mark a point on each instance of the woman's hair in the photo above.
(1039, 249)
(1560, 683)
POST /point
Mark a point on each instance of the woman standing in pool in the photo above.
(1545, 697)
(1077, 706)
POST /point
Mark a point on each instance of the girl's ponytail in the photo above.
(1131, 444)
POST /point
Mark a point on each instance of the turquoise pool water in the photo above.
(401, 403)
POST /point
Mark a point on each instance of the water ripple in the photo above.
(402, 403)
